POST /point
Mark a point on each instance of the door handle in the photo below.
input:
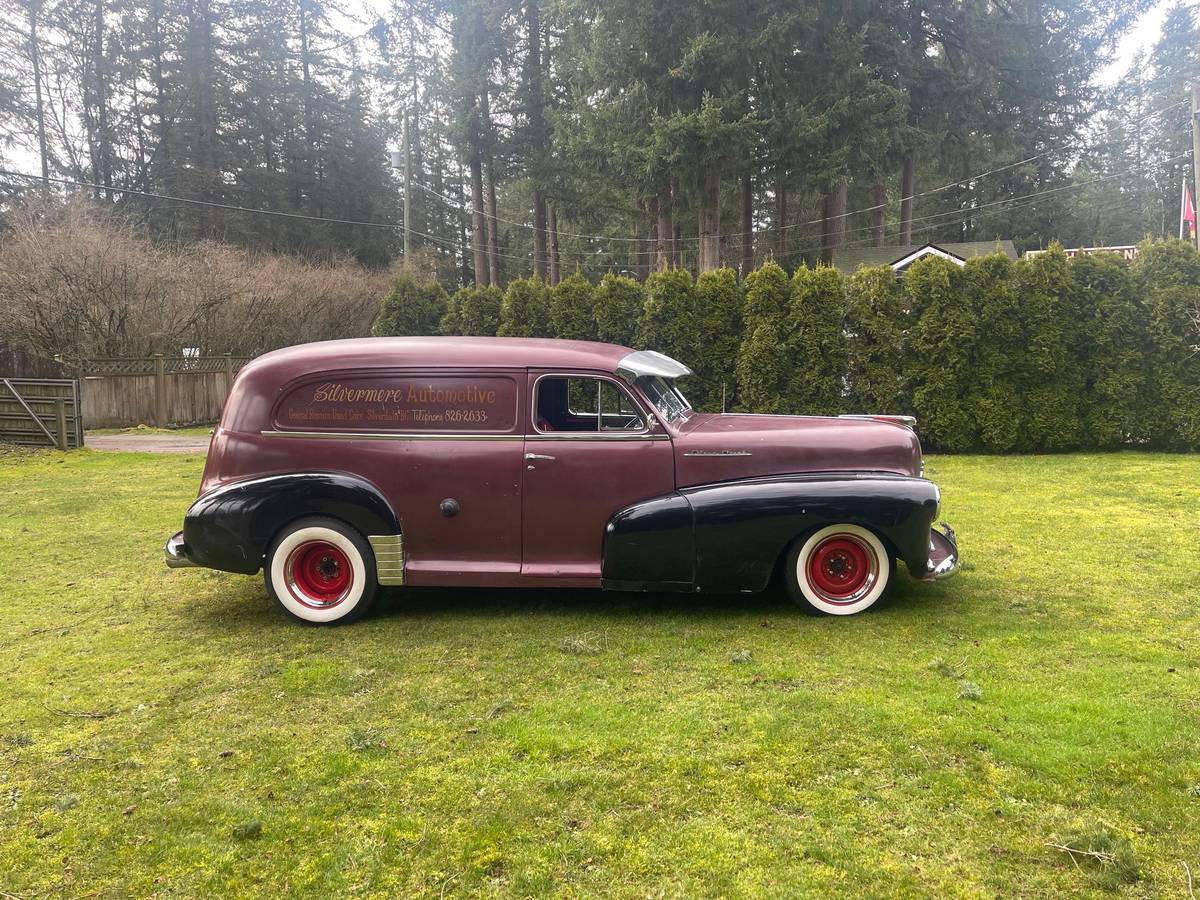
(532, 456)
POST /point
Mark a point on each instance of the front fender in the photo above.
(742, 527)
(230, 527)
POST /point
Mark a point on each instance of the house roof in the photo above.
(851, 259)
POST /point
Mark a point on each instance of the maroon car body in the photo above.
(530, 462)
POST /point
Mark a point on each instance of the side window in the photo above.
(571, 403)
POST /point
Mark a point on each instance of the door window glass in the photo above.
(579, 404)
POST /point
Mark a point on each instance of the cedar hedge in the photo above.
(1039, 355)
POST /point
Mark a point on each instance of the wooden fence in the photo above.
(119, 393)
(40, 412)
(158, 390)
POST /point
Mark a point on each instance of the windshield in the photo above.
(666, 398)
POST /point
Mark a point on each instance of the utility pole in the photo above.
(407, 190)
(1196, 151)
(403, 160)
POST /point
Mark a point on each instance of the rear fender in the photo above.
(231, 527)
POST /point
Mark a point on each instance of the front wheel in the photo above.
(321, 572)
(839, 570)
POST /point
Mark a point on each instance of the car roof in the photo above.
(441, 352)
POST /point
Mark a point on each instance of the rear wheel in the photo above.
(838, 570)
(321, 572)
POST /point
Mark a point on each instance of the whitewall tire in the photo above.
(839, 570)
(321, 572)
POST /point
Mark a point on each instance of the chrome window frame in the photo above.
(643, 434)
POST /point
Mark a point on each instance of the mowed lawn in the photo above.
(168, 733)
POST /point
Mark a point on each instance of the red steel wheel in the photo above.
(839, 570)
(318, 574)
(321, 571)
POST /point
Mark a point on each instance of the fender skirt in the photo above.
(728, 537)
(231, 526)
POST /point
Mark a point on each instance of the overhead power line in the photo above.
(464, 207)
(444, 243)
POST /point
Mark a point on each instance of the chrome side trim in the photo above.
(463, 436)
(595, 436)
(389, 558)
(394, 435)
(909, 422)
(718, 453)
(175, 553)
(650, 362)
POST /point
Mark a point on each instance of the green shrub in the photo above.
(1052, 380)
(668, 320)
(525, 311)
(875, 323)
(816, 342)
(939, 352)
(718, 335)
(571, 315)
(412, 307)
(452, 319)
(1166, 275)
(992, 390)
(618, 305)
(479, 310)
(762, 362)
(1114, 344)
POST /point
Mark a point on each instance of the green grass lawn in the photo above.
(169, 733)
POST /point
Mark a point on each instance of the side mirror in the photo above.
(651, 422)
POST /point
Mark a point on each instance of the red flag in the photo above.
(1188, 214)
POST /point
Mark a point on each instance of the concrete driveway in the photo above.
(148, 443)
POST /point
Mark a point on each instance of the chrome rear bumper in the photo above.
(944, 559)
(175, 552)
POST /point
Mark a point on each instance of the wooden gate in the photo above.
(41, 412)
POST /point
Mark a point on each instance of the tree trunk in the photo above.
(710, 220)
(747, 265)
(100, 72)
(537, 129)
(827, 228)
(493, 227)
(666, 229)
(641, 250)
(841, 194)
(781, 229)
(908, 186)
(160, 108)
(35, 9)
(204, 143)
(908, 175)
(478, 248)
(539, 233)
(493, 241)
(652, 243)
(310, 128)
(878, 214)
(833, 224)
(464, 232)
(552, 224)
(677, 237)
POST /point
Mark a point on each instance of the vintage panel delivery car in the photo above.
(341, 466)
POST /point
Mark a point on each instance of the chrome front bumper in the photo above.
(175, 552)
(944, 559)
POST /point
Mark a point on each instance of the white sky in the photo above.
(1142, 37)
